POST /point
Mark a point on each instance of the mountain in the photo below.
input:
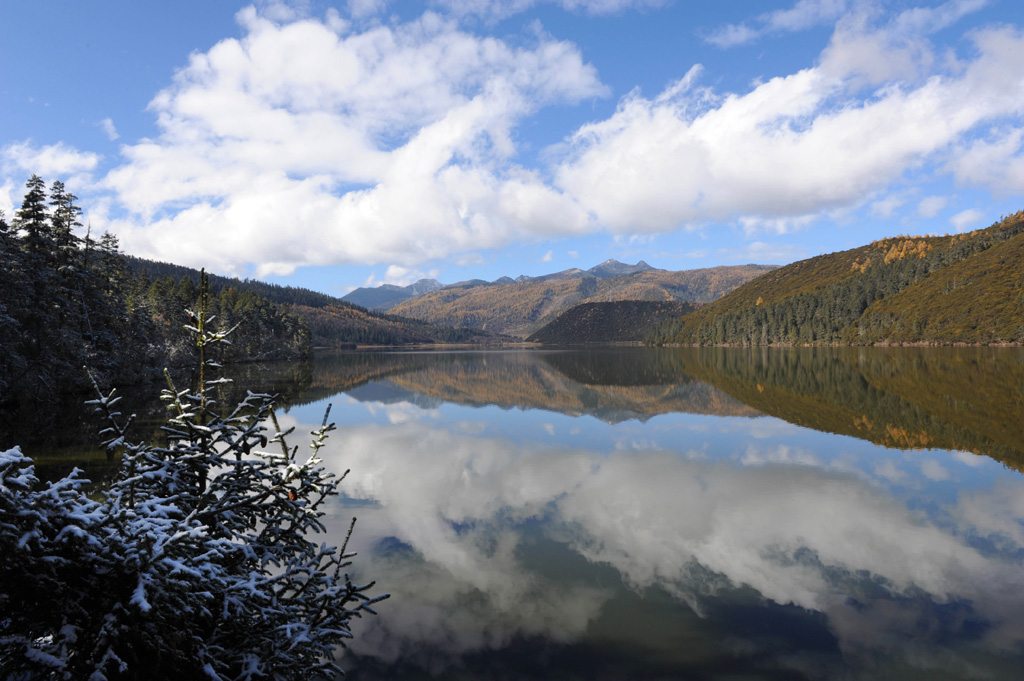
(963, 288)
(615, 322)
(614, 268)
(522, 307)
(386, 296)
(609, 268)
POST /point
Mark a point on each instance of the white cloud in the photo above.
(7, 198)
(52, 161)
(996, 162)
(804, 14)
(391, 145)
(397, 144)
(107, 125)
(547, 257)
(898, 49)
(885, 208)
(930, 206)
(907, 26)
(403, 276)
(789, 149)
(967, 219)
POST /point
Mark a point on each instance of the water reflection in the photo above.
(683, 536)
(697, 513)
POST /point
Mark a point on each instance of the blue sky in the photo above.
(334, 145)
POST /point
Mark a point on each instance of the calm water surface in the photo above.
(682, 514)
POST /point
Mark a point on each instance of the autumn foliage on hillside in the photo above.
(950, 289)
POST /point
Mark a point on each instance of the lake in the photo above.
(633, 513)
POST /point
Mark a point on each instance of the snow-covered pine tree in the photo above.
(198, 562)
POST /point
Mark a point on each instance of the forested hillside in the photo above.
(520, 308)
(616, 322)
(68, 302)
(332, 322)
(964, 288)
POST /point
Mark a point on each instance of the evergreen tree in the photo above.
(196, 563)
(32, 221)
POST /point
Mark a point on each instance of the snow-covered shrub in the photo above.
(197, 562)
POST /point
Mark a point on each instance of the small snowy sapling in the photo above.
(197, 562)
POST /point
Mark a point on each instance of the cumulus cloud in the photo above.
(391, 145)
(792, 147)
(329, 141)
(47, 161)
(967, 219)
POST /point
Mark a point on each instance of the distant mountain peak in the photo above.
(614, 268)
(386, 296)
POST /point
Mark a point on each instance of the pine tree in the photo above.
(32, 220)
(64, 220)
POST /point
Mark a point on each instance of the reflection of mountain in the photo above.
(613, 385)
(909, 398)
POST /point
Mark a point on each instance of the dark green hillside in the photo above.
(282, 295)
(616, 322)
(332, 321)
(977, 300)
(835, 298)
(339, 325)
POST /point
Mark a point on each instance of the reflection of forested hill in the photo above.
(615, 386)
(337, 372)
(968, 399)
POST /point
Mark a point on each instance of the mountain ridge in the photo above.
(522, 307)
(386, 296)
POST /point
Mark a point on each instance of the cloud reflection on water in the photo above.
(936, 583)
